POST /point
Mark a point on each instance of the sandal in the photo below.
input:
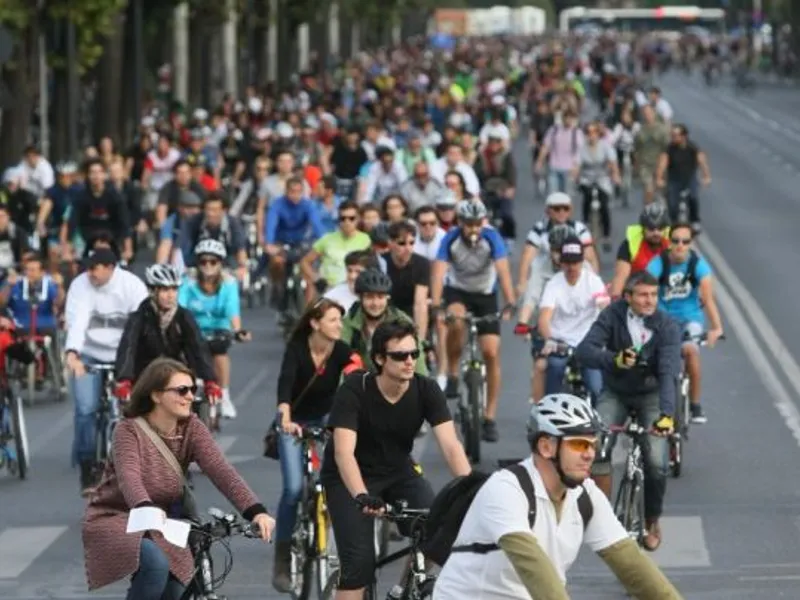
(652, 539)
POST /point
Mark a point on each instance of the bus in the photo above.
(667, 19)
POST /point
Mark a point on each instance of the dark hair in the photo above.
(302, 329)
(283, 151)
(424, 210)
(293, 181)
(214, 197)
(180, 163)
(393, 329)
(640, 278)
(385, 204)
(682, 129)
(92, 162)
(347, 205)
(365, 208)
(329, 181)
(154, 378)
(359, 257)
(682, 225)
(460, 179)
(400, 229)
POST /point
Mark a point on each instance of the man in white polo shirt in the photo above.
(499, 555)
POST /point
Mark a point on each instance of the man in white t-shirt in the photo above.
(570, 303)
(344, 293)
(538, 533)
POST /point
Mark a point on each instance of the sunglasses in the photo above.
(348, 218)
(681, 241)
(403, 355)
(560, 208)
(209, 261)
(579, 444)
(182, 390)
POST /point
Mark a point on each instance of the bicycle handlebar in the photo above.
(700, 340)
(470, 318)
(399, 511)
(224, 525)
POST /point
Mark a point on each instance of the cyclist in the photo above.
(532, 559)
(355, 263)
(421, 189)
(649, 143)
(169, 250)
(686, 292)
(596, 170)
(677, 168)
(373, 288)
(429, 234)
(472, 260)
(375, 419)
(161, 327)
(497, 173)
(50, 215)
(98, 304)
(644, 241)
(311, 369)
(569, 305)
(212, 297)
(535, 266)
(560, 148)
(13, 243)
(410, 274)
(331, 250)
(638, 347)
(383, 177)
(35, 292)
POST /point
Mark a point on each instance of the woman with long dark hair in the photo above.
(313, 363)
(139, 475)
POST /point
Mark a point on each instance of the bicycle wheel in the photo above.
(20, 434)
(474, 383)
(383, 535)
(629, 508)
(329, 591)
(302, 566)
(424, 591)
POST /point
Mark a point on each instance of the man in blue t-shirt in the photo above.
(35, 299)
(686, 293)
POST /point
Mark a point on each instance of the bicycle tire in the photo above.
(30, 380)
(20, 435)
(631, 497)
(303, 591)
(56, 371)
(474, 384)
(332, 585)
(425, 591)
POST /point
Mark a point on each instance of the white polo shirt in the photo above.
(501, 508)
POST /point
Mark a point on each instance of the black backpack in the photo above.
(689, 276)
(452, 503)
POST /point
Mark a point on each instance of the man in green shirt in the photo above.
(652, 139)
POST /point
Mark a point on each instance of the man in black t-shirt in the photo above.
(677, 168)
(410, 274)
(375, 418)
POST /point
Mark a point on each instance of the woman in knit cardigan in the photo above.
(140, 476)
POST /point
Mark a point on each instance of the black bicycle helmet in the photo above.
(654, 216)
(373, 281)
(558, 234)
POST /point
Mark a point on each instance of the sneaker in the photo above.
(451, 389)
(490, 433)
(698, 416)
(442, 381)
(87, 477)
(395, 593)
(227, 409)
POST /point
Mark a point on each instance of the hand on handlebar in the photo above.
(713, 336)
(371, 505)
(549, 347)
(509, 310)
(122, 391)
(292, 428)
(625, 359)
(243, 335)
(664, 425)
(266, 525)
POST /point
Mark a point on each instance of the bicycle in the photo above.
(309, 551)
(573, 376)
(682, 210)
(294, 301)
(106, 416)
(46, 364)
(682, 410)
(219, 340)
(629, 502)
(473, 373)
(417, 583)
(255, 283)
(626, 187)
(14, 449)
(202, 537)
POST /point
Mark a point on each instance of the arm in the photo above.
(307, 262)
(344, 441)
(165, 236)
(421, 310)
(545, 316)
(529, 252)
(637, 572)
(592, 351)
(438, 271)
(669, 365)
(77, 316)
(127, 465)
(125, 363)
(452, 450)
(661, 169)
(369, 184)
(45, 208)
(504, 275)
(198, 356)
(533, 567)
(706, 293)
(622, 269)
(286, 381)
(271, 228)
(705, 170)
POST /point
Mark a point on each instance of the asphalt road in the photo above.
(732, 521)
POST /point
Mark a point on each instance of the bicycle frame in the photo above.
(107, 414)
(630, 495)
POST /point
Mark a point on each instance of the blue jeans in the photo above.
(674, 189)
(554, 377)
(558, 181)
(153, 580)
(290, 453)
(85, 393)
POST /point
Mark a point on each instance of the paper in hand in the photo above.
(151, 518)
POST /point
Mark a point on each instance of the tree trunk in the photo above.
(109, 89)
(20, 83)
(127, 121)
(260, 49)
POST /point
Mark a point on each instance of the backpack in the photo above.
(452, 503)
(689, 276)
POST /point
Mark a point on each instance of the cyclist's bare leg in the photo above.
(490, 349)
(537, 384)
(455, 338)
(691, 356)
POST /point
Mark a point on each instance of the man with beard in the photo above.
(642, 243)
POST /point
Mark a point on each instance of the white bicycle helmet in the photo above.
(471, 210)
(212, 247)
(162, 276)
(284, 130)
(560, 415)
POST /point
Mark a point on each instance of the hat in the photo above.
(189, 198)
(572, 250)
(558, 199)
(101, 256)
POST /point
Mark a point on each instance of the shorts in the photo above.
(479, 305)
(647, 177)
(691, 329)
(354, 531)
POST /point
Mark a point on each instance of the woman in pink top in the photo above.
(140, 476)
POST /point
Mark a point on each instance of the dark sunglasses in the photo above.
(209, 261)
(182, 390)
(560, 208)
(348, 218)
(681, 241)
(403, 355)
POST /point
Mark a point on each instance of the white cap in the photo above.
(254, 105)
(558, 199)
(498, 100)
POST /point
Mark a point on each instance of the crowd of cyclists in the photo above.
(391, 188)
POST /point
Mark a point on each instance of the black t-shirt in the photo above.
(107, 212)
(297, 369)
(406, 279)
(385, 431)
(682, 163)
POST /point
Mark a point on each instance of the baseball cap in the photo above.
(572, 250)
(558, 199)
(189, 198)
(101, 256)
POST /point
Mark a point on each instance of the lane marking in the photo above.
(684, 543)
(21, 546)
(43, 440)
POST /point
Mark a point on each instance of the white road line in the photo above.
(226, 442)
(243, 397)
(684, 543)
(41, 441)
(20, 546)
